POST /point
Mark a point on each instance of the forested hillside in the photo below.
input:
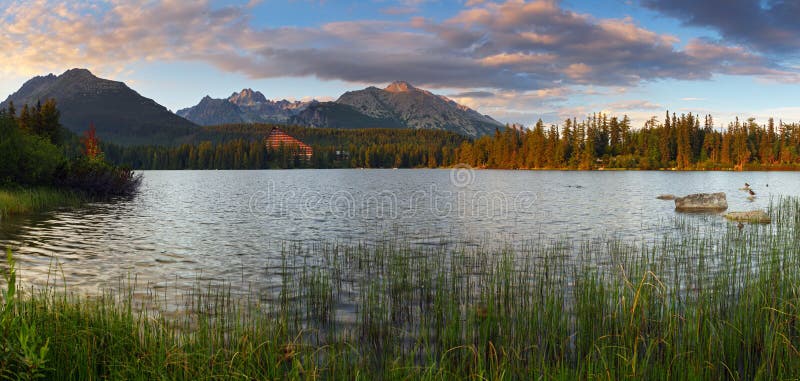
(242, 147)
(600, 141)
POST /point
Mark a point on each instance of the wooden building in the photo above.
(277, 138)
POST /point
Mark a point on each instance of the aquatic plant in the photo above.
(690, 305)
(21, 200)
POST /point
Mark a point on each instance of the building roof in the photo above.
(278, 138)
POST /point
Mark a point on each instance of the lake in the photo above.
(187, 226)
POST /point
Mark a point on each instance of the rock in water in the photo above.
(755, 216)
(667, 197)
(702, 202)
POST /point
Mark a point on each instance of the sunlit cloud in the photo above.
(527, 54)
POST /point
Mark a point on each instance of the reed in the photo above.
(695, 304)
(18, 200)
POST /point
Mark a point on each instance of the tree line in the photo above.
(684, 142)
(243, 147)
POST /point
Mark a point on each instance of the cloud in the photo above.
(472, 3)
(766, 25)
(473, 94)
(399, 10)
(635, 105)
(514, 106)
(514, 45)
(529, 54)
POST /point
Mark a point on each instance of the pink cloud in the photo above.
(524, 52)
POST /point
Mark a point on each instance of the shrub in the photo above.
(98, 179)
(27, 159)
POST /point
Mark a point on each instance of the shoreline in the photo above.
(483, 169)
(19, 200)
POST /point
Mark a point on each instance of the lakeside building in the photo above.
(278, 138)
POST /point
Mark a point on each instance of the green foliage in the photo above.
(679, 142)
(22, 200)
(31, 158)
(23, 351)
(98, 179)
(243, 147)
(682, 142)
(27, 159)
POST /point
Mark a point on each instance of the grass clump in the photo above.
(23, 352)
(21, 200)
(688, 306)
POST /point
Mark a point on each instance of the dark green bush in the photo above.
(27, 159)
(98, 179)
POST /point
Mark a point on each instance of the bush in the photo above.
(27, 159)
(98, 179)
(624, 161)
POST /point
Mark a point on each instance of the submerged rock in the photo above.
(702, 202)
(668, 197)
(755, 216)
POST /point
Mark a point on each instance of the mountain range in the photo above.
(123, 116)
(399, 105)
(246, 106)
(119, 113)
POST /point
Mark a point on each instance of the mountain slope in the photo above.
(210, 112)
(246, 106)
(119, 113)
(338, 115)
(400, 105)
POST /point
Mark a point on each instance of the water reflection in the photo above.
(232, 225)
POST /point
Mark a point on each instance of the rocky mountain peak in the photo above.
(247, 97)
(399, 105)
(78, 74)
(246, 106)
(399, 87)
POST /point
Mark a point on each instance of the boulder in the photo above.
(754, 216)
(702, 202)
(668, 197)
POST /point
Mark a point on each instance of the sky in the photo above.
(515, 60)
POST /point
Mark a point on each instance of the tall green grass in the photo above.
(18, 200)
(692, 305)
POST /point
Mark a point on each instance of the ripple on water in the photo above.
(197, 225)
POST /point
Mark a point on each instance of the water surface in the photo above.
(231, 225)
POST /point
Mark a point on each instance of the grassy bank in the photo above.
(688, 306)
(21, 200)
